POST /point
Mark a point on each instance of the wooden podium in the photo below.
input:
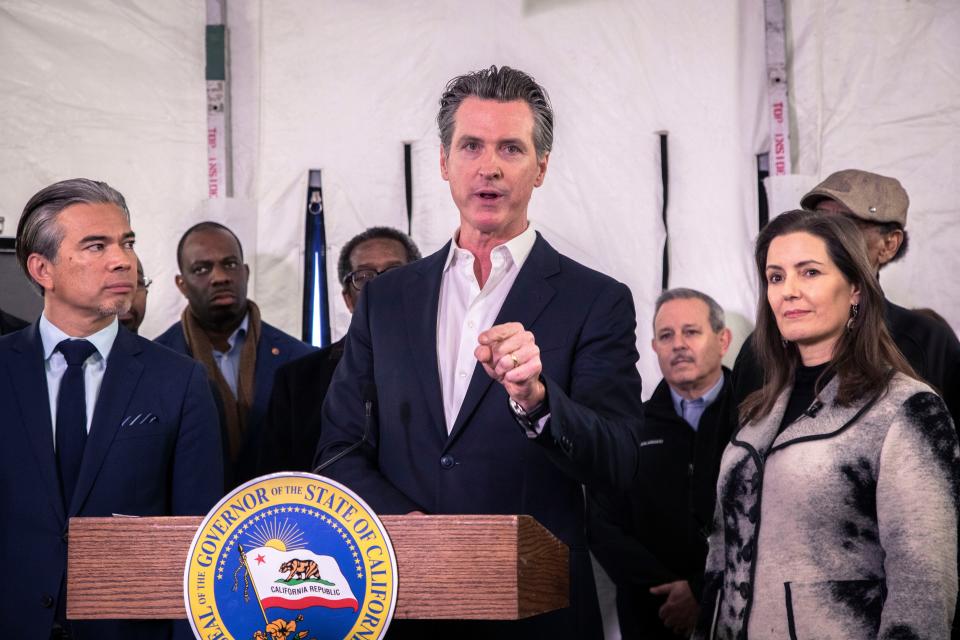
(467, 567)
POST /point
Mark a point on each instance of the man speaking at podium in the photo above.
(505, 373)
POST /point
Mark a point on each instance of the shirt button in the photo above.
(463, 374)
(447, 462)
(470, 324)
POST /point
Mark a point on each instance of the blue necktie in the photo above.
(72, 415)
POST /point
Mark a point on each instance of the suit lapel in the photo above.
(266, 367)
(119, 381)
(26, 371)
(420, 300)
(528, 297)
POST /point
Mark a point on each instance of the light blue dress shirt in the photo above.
(692, 410)
(94, 367)
(229, 361)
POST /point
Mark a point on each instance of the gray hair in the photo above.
(503, 85)
(717, 319)
(38, 231)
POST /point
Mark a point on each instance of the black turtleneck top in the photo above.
(803, 393)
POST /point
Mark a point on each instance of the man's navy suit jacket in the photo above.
(274, 349)
(292, 427)
(584, 325)
(153, 449)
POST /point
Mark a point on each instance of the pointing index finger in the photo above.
(500, 332)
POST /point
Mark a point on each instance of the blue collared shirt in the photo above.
(692, 410)
(95, 366)
(229, 361)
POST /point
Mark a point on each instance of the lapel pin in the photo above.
(275, 351)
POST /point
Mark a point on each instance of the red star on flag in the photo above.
(261, 559)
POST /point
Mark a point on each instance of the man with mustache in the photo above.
(221, 328)
(650, 538)
(96, 420)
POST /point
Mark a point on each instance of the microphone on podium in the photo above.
(369, 397)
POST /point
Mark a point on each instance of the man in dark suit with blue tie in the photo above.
(505, 373)
(97, 421)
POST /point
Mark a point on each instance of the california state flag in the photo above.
(298, 579)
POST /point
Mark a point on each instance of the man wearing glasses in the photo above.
(133, 317)
(292, 429)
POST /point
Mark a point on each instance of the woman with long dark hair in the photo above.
(837, 500)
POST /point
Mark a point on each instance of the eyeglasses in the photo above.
(359, 278)
(144, 284)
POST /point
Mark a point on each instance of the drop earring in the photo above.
(854, 312)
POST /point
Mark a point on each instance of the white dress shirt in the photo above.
(94, 367)
(465, 311)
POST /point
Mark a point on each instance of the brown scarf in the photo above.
(235, 409)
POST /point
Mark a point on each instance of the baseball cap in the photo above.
(868, 196)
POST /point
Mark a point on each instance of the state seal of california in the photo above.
(290, 556)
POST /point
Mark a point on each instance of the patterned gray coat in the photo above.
(842, 526)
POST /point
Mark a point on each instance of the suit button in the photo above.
(744, 590)
(747, 553)
(753, 515)
(447, 462)
(47, 601)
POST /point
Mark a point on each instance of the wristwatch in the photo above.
(529, 419)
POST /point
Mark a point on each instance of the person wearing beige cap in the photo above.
(877, 204)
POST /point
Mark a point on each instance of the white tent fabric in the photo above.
(345, 93)
(115, 91)
(111, 91)
(876, 86)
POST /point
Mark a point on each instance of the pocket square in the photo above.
(140, 418)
